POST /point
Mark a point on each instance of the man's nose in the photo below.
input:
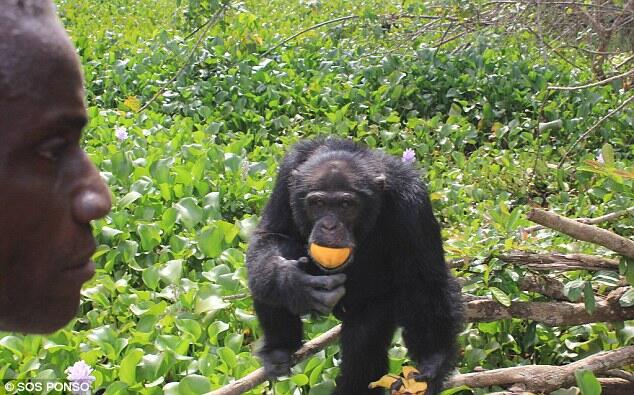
(92, 198)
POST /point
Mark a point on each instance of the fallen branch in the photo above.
(621, 374)
(584, 232)
(556, 261)
(545, 378)
(479, 309)
(615, 386)
(546, 286)
(257, 377)
(589, 221)
(482, 309)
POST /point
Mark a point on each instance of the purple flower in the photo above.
(409, 156)
(120, 133)
(80, 376)
(600, 158)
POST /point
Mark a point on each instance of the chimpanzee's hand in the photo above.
(304, 292)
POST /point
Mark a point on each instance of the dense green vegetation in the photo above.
(191, 173)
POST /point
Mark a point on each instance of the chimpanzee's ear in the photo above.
(293, 177)
(380, 181)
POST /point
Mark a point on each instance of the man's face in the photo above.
(49, 190)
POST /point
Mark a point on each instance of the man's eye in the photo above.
(53, 149)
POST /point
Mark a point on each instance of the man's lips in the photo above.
(80, 269)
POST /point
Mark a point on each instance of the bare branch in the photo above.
(481, 309)
(590, 221)
(546, 286)
(317, 26)
(623, 63)
(211, 22)
(545, 378)
(584, 232)
(593, 127)
(590, 85)
(557, 261)
(257, 377)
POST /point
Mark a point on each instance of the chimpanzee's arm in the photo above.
(281, 289)
(277, 277)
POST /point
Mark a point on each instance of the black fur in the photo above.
(397, 276)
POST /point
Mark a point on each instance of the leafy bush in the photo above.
(169, 311)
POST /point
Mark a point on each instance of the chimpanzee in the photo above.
(350, 229)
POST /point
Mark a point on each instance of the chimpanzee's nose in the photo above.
(329, 223)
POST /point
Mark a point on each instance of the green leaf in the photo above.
(210, 241)
(189, 213)
(627, 299)
(194, 385)
(247, 226)
(190, 327)
(299, 379)
(209, 304)
(116, 388)
(587, 383)
(168, 219)
(228, 357)
(129, 198)
(456, 390)
(127, 368)
(171, 388)
(150, 236)
(500, 296)
(574, 289)
(216, 328)
(323, 388)
(171, 271)
(150, 277)
(13, 344)
(608, 155)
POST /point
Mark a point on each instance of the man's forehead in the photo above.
(32, 43)
(26, 7)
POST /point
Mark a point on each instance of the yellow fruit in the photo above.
(329, 258)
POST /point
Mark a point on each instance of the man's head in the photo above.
(49, 189)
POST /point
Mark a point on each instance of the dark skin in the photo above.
(338, 194)
(51, 191)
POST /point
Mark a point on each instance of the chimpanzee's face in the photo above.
(333, 215)
(338, 204)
